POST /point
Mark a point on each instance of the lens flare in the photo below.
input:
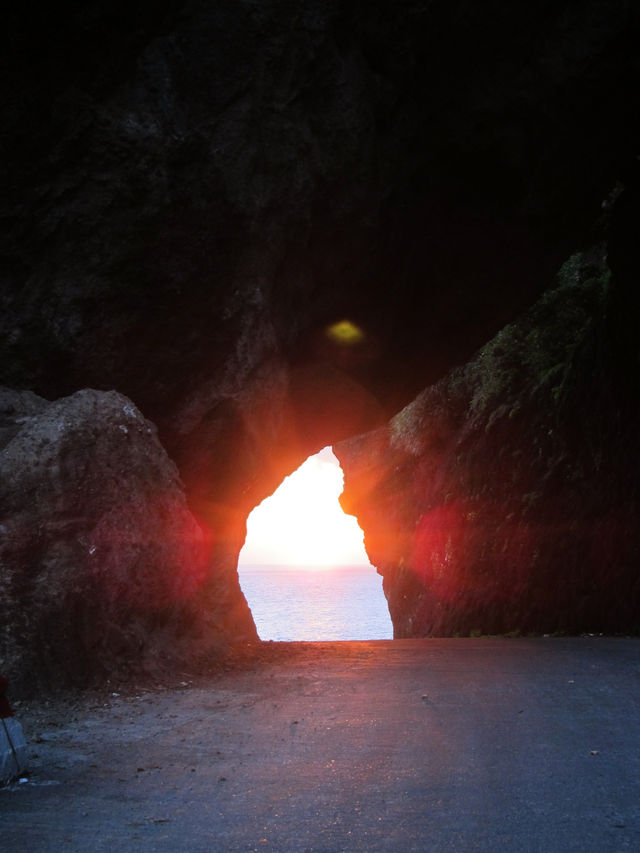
(345, 333)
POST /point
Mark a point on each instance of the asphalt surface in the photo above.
(491, 745)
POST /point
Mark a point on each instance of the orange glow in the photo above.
(302, 523)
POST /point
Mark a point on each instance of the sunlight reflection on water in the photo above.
(322, 604)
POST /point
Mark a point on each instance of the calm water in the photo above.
(316, 604)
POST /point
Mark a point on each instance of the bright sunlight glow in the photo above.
(302, 524)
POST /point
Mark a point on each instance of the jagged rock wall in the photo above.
(506, 497)
(191, 193)
(103, 565)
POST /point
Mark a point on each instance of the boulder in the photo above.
(102, 566)
(505, 497)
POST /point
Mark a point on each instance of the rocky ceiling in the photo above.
(193, 195)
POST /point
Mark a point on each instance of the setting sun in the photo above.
(302, 523)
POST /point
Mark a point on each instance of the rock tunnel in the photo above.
(235, 233)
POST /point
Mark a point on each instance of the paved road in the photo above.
(488, 745)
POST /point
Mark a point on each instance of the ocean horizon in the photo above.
(316, 603)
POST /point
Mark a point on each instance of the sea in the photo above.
(310, 604)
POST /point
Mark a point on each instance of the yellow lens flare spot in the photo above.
(345, 333)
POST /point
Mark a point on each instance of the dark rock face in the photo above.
(192, 193)
(506, 497)
(102, 562)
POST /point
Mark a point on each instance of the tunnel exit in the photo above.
(303, 568)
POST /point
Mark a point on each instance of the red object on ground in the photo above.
(5, 707)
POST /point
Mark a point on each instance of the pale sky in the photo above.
(302, 523)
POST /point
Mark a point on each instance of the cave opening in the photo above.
(303, 568)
